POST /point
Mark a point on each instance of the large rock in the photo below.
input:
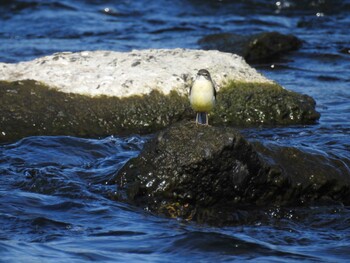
(253, 48)
(99, 93)
(187, 169)
(124, 74)
(30, 108)
(206, 173)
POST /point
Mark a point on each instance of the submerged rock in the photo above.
(206, 173)
(254, 47)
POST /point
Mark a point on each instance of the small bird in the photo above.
(202, 96)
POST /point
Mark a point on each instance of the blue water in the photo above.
(57, 193)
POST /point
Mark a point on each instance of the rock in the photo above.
(30, 108)
(258, 47)
(241, 104)
(207, 173)
(187, 168)
(345, 51)
(311, 176)
(68, 95)
(124, 74)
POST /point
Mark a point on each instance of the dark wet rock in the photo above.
(188, 168)
(345, 50)
(208, 173)
(253, 48)
(311, 176)
(29, 108)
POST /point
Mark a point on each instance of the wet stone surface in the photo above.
(205, 173)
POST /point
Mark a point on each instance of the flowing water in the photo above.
(56, 193)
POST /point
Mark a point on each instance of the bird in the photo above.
(202, 96)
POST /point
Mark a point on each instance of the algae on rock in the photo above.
(31, 108)
(241, 103)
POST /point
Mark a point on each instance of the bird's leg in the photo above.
(207, 119)
(196, 118)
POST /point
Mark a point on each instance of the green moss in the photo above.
(242, 103)
(30, 108)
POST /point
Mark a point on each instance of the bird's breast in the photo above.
(202, 95)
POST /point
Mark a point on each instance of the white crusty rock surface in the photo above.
(128, 73)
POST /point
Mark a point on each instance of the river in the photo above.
(56, 193)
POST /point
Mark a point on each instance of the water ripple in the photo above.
(56, 193)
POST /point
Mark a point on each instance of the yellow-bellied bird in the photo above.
(202, 96)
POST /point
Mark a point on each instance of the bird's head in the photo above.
(204, 73)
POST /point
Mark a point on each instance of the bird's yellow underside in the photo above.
(202, 96)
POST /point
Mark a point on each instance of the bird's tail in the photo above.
(202, 118)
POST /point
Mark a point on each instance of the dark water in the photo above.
(56, 197)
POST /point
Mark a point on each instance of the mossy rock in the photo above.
(240, 103)
(31, 108)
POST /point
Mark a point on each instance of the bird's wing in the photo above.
(214, 87)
